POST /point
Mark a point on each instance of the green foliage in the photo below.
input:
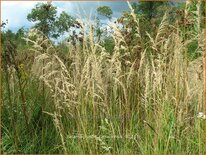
(105, 11)
(128, 93)
(20, 33)
(47, 21)
(45, 15)
(8, 34)
(64, 22)
(39, 135)
(98, 29)
(109, 44)
(150, 14)
(148, 9)
(14, 37)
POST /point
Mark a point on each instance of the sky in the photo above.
(16, 11)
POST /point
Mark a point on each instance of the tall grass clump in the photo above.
(142, 98)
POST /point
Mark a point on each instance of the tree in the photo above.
(7, 35)
(150, 14)
(45, 14)
(105, 11)
(149, 9)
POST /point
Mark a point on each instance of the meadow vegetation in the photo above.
(134, 87)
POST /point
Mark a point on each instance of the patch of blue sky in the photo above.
(16, 11)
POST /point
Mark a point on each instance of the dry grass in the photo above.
(142, 103)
